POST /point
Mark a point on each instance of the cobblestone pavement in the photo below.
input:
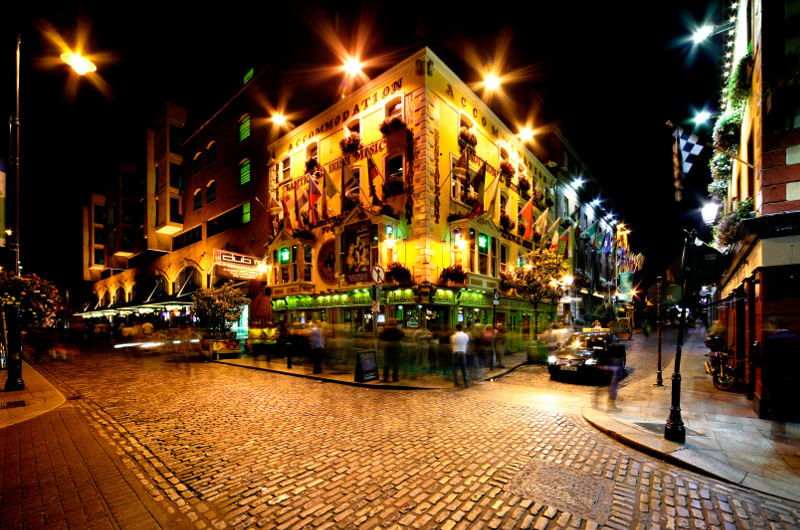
(233, 447)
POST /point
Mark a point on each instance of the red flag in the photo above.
(287, 211)
(565, 239)
(554, 241)
(480, 181)
(313, 196)
(527, 214)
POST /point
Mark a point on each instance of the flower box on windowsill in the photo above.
(506, 223)
(350, 144)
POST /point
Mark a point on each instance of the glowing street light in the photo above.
(279, 119)
(701, 117)
(709, 212)
(491, 81)
(352, 66)
(702, 33)
(526, 134)
(80, 64)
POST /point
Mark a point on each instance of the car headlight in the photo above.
(551, 359)
(590, 362)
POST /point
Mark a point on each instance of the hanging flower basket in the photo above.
(524, 186)
(398, 273)
(467, 139)
(453, 275)
(521, 228)
(727, 128)
(311, 165)
(392, 125)
(506, 223)
(507, 171)
(350, 144)
(538, 195)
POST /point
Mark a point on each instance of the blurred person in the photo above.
(422, 345)
(459, 343)
(488, 347)
(433, 348)
(500, 345)
(317, 343)
(392, 348)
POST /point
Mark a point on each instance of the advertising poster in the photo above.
(356, 252)
(625, 285)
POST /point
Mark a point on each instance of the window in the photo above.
(187, 238)
(175, 210)
(503, 203)
(353, 127)
(197, 162)
(306, 263)
(483, 254)
(98, 235)
(312, 151)
(197, 200)
(175, 139)
(394, 108)
(175, 176)
(472, 249)
(458, 183)
(99, 213)
(286, 168)
(465, 122)
(503, 154)
(99, 256)
(494, 257)
(211, 152)
(211, 192)
(458, 253)
(244, 127)
(394, 166)
(244, 171)
(294, 262)
(230, 219)
(503, 258)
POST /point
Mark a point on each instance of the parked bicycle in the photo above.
(721, 364)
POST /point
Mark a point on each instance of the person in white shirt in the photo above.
(459, 342)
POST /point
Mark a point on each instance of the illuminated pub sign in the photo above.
(238, 266)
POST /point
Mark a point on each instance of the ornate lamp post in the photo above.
(659, 378)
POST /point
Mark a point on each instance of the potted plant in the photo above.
(350, 144)
(524, 186)
(728, 126)
(453, 276)
(311, 165)
(217, 309)
(467, 139)
(506, 223)
(398, 274)
(507, 171)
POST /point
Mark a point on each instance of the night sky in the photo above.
(609, 78)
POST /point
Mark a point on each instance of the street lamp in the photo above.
(701, 117)
(80, 64)
(709, 212)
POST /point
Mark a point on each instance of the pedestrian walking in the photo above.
(500, 345)
(392, 348)
(433, 348)
(283, 343)
(488, 347)
(317, 343)
(459, 342)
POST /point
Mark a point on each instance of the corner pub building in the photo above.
(384, 177)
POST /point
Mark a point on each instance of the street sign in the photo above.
(377, 274)
(496, 299)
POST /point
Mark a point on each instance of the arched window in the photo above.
(244, 127)
(197, 200)
(394, 108)
(312, 151)
(197, 162)
(353, 127)
(211, 152)
(188, 281)
(211, 192)
(244, 171)
(119, 295)
(503, 203)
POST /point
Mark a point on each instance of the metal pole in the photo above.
(659, 378)
(14, 330)
(674, 429)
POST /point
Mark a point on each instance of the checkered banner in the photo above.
(690, 148)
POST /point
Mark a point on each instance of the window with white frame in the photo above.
(286, 168)
(353, 127)
(394, 108)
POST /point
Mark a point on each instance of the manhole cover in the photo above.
(658, 428)
(12, 404)
(588, 497)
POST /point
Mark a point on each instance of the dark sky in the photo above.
(609, 74)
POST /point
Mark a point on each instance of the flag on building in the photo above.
(478, 184)
(541, 223)
(328, 185)
(314, 195)
(460, 175)
(287, 210)
(566, 238)
(527, 215)
(554, 225)
(492, 192)
(374, 175)
(590, 232)
(685, 150)
(554, 241)
(607, 244)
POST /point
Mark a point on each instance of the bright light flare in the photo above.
(352, 66)
(80, 64)
(491, 81)
(85, 65)
(526, 134)
(702, 33)
(279, 119)
(702, 117)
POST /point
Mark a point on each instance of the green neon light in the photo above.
(483, 241)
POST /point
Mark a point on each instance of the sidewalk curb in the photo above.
(676, 461)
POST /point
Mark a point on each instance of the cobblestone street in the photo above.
(225, 446)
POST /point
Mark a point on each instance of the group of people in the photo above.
(474, 351)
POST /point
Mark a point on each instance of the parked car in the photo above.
(587, 353)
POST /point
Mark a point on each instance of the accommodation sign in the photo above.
(238, 266)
